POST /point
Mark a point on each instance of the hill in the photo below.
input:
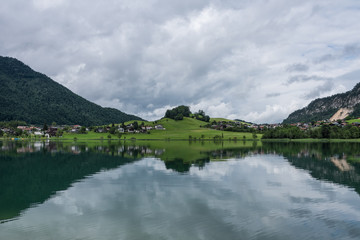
(325, 108)
(35, 98)
(188, 128)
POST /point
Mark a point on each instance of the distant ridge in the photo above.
(325, 108)
(35, 98)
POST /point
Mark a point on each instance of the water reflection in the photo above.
(334, 162)
(128, 191)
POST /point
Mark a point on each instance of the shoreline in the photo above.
(284, 140)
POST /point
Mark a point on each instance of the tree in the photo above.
(325, 131)
(18, 132)
(354, 132)
(112, 130)
(136, 125)
(179, 117)
(59, 133)
(53, 124)
(207, 118)
(119, 135)
(177, 112)
(254, 136)
(45, 127)
(83, 130)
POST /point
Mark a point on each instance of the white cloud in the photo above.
(229, 58)
(271, 114)
(46, 4)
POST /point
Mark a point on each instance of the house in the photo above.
(52, 131)
(37, 133)
(74, 130)
(100, 130)
(159, 127)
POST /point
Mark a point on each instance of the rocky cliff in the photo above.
(325, 108)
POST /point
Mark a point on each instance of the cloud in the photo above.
(271, 114)
(269, 95)
(305, 78)
(317, 91)
(46, 4)
(346, 52)
(297, 67)
(226, 56)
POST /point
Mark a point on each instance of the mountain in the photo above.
(325, 108)
(35, 98)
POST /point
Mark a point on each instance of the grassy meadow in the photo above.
(174, 130)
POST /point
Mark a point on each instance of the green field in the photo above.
(353, 120)
(175, 130)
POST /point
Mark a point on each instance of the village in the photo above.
(57, 131)
(240, 125)
(145, 128)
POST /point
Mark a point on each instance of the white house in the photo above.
(37, 133)
(159, 127)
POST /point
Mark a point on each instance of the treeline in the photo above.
(178, 113)
(325, 131)
(12, 124)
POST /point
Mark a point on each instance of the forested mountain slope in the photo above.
(35, 98)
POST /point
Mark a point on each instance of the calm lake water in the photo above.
(179, 190)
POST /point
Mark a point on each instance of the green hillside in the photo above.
(35, 98)
(174, 130)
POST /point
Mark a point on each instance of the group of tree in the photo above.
(325, 131)
(200, 115)
(12, 124)
(178, 113)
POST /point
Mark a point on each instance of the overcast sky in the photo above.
(256, 60)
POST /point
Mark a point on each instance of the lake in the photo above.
(179, 190)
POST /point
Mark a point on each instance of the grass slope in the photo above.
(175, 130)
(353, 120)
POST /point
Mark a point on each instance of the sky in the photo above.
(255, 60)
